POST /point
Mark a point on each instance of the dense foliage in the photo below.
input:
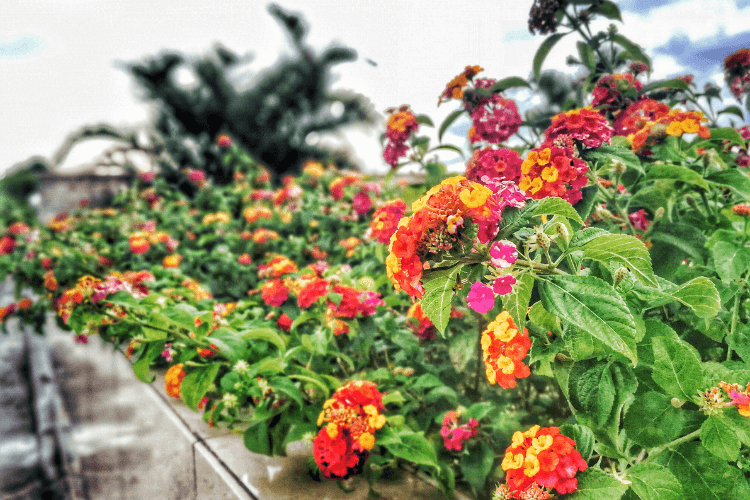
(569, 317)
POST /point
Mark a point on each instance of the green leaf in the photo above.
(230, 343)
(702, 475)
(178, 316)
(478, 411)
(700, 295)
(731, 260)
(122, 298)
(258, 439)
(590, 304)
(426, 381)
(196, 384)
(728, 134)
(740, 425)
(267, 334)
(541, 317)
(517, 302)
(672, 83)
(288, 388)
(508, 83)
(734, 179)
(448, 122)
(734, 110)
(718, 436)
(595, 484)
(592, 390)
(443, 391)
(449, 147)
(634, 51)
(543, 50)
(610, 10)
(393, 398)
(477, 464)
(677, 368)
(584, 236)
(557, 206)
(585, 205)
(438, 294)
(425, 120)
(608, 154)
(623, 249)
(653, 482)
(415, 448)
(677, 173)
(141, 368)
(586, 53)
(652, 421)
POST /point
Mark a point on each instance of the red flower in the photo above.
(284, 322)
(312, 291)
(385, 220)
(494, 163)
(589, 127)
(7, 244)
(274, 292)
(400, 126)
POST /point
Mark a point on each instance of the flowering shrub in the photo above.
(589, 285)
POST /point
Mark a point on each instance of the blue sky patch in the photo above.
(22, 46)
(705, 54)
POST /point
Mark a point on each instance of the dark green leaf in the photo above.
(592, 391)
(477, 464)
(718, 436)
(626, 250)
(543, 50)
(288, 388)
(449, 147)
(677, 368)
(196, 384)
(634, 51)
(591, 304)
(595, 484)
(728, 134)
(652, 421)
(731, 260)
(734, 110)
(448, 122)
(702, 475)
(508, 83)
(610, 10)
(653, 482)
(438, 296)
(734, 179)
(414, 448)
(677, 173)
(583, 437)
(258, 439)
(425, 120)
(587, 55)
(673, 83)
(517, 302)
(608, 154)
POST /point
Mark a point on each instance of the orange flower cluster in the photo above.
(742, 209)
(637, 115)
(385, 220)
(438, 225)
(337, 185)
(420, 324)
(173, 380)
(503, 350)
(252, 214)
(352, 416)
(400, 126)
(220, 217)
(455, 88)
(274, 292)
(350, 244)
(278, 266)
(585, 125)
(172, 261)
(542, 456)
(263, 235)
(740, 397)
(61, 222)
(84, 289)
(674, 123)
(199, 293)
(553, 171)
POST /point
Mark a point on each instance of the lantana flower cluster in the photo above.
(589, 127)
(503, 350)
(637, 115)
(454, 434)
(455, 88)
(740, 397)
(674, 123)
(503, 254)
(553, 171)
(385, 220)
(401, 125)
(439, 222)
(351, 416)
(542, 456)
(617, 91)
(737, 72)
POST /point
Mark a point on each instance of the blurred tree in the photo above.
(271, 119)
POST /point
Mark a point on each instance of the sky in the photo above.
(61, 60)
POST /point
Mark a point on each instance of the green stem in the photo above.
(661, 449)
(539, 266)
(733, 325)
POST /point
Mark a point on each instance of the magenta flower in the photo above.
(503, 254)
(481, 298)
(362, 203)
(504, 284)
(638, 219)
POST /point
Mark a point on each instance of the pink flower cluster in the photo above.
(453, 434)
(481, 298)
(494, 120)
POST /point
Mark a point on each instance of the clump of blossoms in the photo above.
(385, 220)
(503, 350)
(351, 416)
(543, 16)
(553, 171)
(494, 118)
(279, 265)
(503, 254)
(455, 88)
(419, 323)
(173, 380)
(740, 397)
(613, 92)
(400, 126)
(742, 209)
(453, 434)
(440, 223)
(495, 164)
(737, 72)
(674, 123)
(541, 456)
(637, 115)
(584, 125)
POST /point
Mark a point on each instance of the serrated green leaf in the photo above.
(584, 236)
(595, 484)
(592, 391)
(607, 154)
(676, 173)
(677, 368)
(583, 437)
(590, 304)
(438, 294)
(448, 122)
(731, 260)
(702, 475)
(634, 50)
(700, 295)
(477, 463)
(653, 482)
(196, 384)
(543, 51)
(624, 249)
(557, 206)
(508, 83)
(734, 179)
(267, 334)
(651, 420)
(719, 438)
(414, 448)
(541, 317)
(517, 302)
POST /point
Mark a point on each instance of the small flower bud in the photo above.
(542, 240)
(562, 232)
(677, 402)
(619, 167)
(691, 202)
(659, 130)
(620, 275)
(602, 213)
(658, 214)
